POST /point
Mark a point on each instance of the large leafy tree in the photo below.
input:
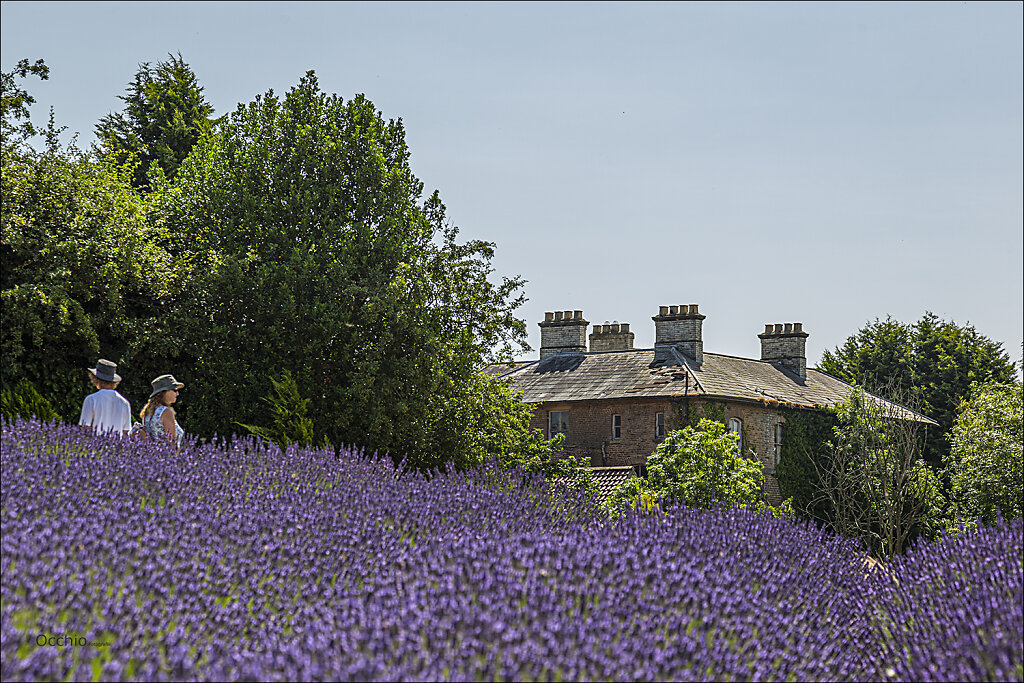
(309, 246)
(936, 361)
(15, 101)
(986, 461)
(83, 270)
(165, 114)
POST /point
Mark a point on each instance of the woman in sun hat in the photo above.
(106, 411)
(158, 417)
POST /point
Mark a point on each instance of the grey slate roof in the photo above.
(610, 478)
(636, 373)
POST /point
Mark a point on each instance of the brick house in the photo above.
(615, 403)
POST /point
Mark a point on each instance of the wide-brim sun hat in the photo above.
(105, 370)
(164, 383)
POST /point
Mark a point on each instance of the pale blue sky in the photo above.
(820, 163)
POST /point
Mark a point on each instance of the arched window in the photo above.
(736, 427)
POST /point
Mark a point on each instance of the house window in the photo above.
(778, 444)
(736, 427)
(616, 427)
(558, 423)
(659, 425)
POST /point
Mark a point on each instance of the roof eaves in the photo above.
(922, 417)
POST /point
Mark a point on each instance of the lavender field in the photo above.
(131, 561)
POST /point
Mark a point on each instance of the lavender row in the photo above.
(237, 561)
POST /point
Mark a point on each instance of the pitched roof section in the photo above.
(637, 373)
(610, 478)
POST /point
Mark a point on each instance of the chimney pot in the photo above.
(785, 344)
(678, 327)
(624, 327)
(563, 332)
(615, 329)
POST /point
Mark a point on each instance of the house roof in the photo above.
(610, 478)
(640, 373)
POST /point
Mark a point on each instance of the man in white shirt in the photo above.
(106, 410)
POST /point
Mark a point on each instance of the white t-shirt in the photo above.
(106, 411)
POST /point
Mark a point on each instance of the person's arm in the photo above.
(87, 414)
(126, 418)
(169, 428)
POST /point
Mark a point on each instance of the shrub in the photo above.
(986, 462)
(289, 415)
(698, 467)
(24, 401)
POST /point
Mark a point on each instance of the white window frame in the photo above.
(616, 427)
(778, 443)
(659, 426)
(562, 427)
(736, 427)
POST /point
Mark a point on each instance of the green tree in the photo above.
(698, 467)
(880, 353)
(986, 461)
(307, 245)
(165, 114)
(935, 361)
(948, 360)
(15, 101)
(83, 270)
(873, 482)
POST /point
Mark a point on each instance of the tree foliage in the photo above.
(15, 102)
(936, 361)
(165, 114)
(986, 462)
(83, 270)
(698, 467)
(25, 402)
(874, 483)
(307, 245)
(288, 412)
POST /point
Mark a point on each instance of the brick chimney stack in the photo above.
(679, 326)
(614, 337)
(563, 332)
(785, 344)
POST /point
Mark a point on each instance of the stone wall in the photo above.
(590, 428)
